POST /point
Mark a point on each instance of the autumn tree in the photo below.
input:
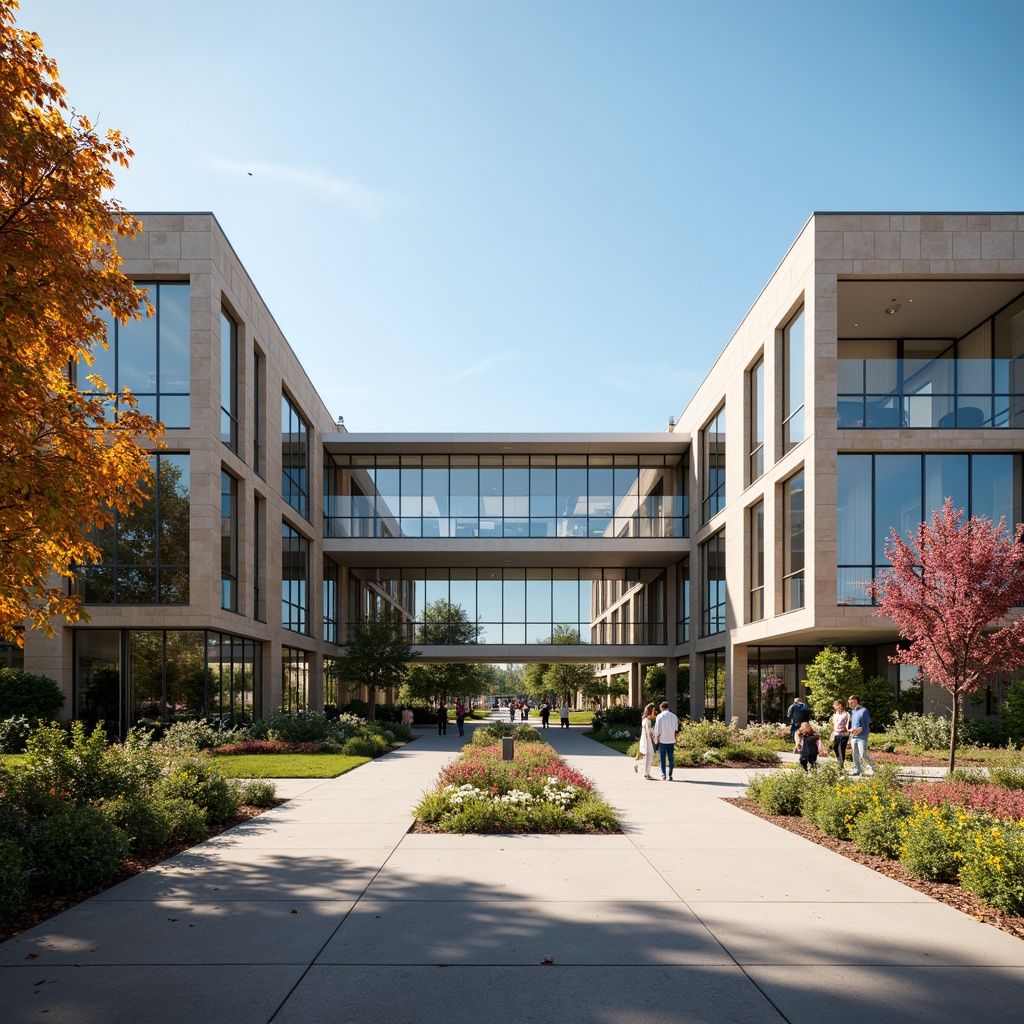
(377, 655)
(949, 591)
(66, 467)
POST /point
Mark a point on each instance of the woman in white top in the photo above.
(646, 740)
(840, 732)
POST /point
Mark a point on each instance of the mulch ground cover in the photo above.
(39, 908)
(944, 892)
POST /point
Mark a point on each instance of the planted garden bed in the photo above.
(535, 792)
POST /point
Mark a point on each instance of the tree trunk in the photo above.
(371, 700)
(953, 731)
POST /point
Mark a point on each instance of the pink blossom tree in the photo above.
(950, 591)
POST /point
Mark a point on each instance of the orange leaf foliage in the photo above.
(65, 467)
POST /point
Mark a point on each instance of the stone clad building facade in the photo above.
(880, 369)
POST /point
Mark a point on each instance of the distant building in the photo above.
(880, 370)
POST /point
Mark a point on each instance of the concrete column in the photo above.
(736, 683)
(697, 687)
(636, 693)
(672, 687)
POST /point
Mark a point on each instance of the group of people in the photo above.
(658, 731)
(442, 718)
(850, 730)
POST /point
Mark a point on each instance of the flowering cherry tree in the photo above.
(950, 591)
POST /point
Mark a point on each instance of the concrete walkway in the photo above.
(327, 910)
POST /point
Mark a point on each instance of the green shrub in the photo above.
(365, 746)
(74, 848)
(14, 733)
(687, 758)
(713, 756)
(526, 734)
(257, 792)
(706, 734)
(749, 753)
(1012, 712)
(492, 732)
(356, 707)
(928, 731)
(593, 813)
(22, 693)
(13, 889)
(142, 818)
(197, 778)
(298, 726)
(878, 829)
(977, 732)
(1008, 772)
(186, 821)
(993, 866)
(832, 803)
(932, 840)
(972, 776)
(197, 735)
(779, 792)
(618, 715)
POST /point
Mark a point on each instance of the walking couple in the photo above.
(658, 731)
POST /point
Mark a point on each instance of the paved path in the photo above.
(327, 910)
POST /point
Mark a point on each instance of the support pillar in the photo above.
(736, 683)
(636, 692)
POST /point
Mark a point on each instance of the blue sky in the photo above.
(544, 215)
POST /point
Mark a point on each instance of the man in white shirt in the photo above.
(666, 726)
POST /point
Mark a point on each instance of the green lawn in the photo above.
(622, 746)
(287, 766)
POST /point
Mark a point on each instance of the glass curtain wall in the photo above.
(793, 353)
(228, 381)
(793, 543)
(495, 496)
(331, 609)
(520, 606)
(150, 356)
(294, 580)
(683, 601)
(756, 411)
(294, 679)
(714, 685)
(144, 555)
(294, 458)
(228, 542)
(943, 383)
(878, 493)
(713, 557)
(712, 445)
(756, 527)
(156, 677)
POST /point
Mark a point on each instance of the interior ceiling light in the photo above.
(895, 308)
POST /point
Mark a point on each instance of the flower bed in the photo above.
(931, 829)
(535, 792)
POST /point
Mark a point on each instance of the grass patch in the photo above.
(622, 746)
(287, 766)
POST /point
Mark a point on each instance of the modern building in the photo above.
(880, 370)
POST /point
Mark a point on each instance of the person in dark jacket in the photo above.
(797, 714)
(442, 719)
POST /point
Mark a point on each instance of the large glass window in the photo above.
(294, 458)
(228, 542)
(495, 497)
(259, 416)
(793, 542)
(259, 612)
(294, 580)
(519, 605)
(937, 383)
(793, 353)
(683, 601)
(880, 493)
(156, 677)
(756, 444)
(145, 553)
(713, 558)
(712, 443)
(756, 528)
(714, 685)
(294, 679)
(150, 356)
(229, 381)
(331, 601)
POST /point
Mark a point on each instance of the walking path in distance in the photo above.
(327, 909)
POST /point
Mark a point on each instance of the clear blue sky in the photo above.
(537, 214)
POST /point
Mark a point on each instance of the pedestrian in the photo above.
(563, 715)
(797, 713)
(545, 713)
(840, 732)
(860, 728)
(407, 717)
(442, 719)
(666, 728)
(460, 717)
(526, 711)
(511, 711)
(806, 745)
(646, 741)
